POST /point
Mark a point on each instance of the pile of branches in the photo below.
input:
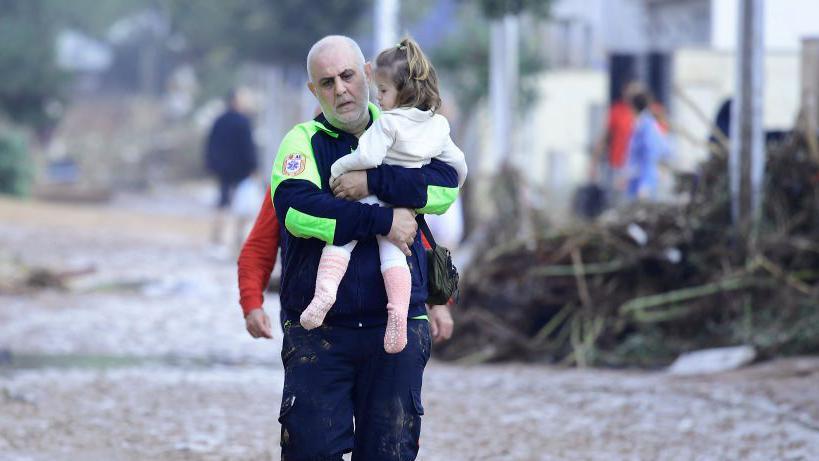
(643, 284)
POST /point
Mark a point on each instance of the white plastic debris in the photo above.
(712, 360)
(673, 255)
(637, 234)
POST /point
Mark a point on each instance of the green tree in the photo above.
(221, 35)
(498, 8)
(27, 62)
(463, 58)
(16, 169)
(92, 17)
(216, 36)
(28, 32)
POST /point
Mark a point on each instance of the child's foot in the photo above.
(395, 337)
(332, 265)
(398, 283)
(313, 315)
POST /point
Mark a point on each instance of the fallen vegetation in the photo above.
(642, 284)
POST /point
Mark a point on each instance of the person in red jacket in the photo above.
(256, 262)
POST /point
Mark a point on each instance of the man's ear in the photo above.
(312, 88)
(368, 71)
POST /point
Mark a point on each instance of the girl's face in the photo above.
(385, 91)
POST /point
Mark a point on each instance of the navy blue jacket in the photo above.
(313, 217)
(230, 152)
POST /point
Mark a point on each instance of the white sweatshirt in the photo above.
(406, 137)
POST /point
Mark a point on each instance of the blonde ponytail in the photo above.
(412, 74)
(417, 62)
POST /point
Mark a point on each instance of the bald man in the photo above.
(342, 392)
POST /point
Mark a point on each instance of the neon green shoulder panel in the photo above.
(375, 113)
(439, 199)
(306, 226)
(295, 158)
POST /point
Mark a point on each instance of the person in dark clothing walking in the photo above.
(230, 155)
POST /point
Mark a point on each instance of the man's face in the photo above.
(341, 85)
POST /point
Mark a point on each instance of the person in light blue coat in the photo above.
(647, 148)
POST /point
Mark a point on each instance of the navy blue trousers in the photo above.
(343, 393)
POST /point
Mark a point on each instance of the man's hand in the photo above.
(440, 323)
(403, 230)
(258, 324)
(351, 186)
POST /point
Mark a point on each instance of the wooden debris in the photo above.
(592, 294)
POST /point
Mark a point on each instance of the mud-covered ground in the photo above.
(145, 357)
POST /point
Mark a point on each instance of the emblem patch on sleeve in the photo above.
(294, 164)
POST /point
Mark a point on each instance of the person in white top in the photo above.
(409, 134)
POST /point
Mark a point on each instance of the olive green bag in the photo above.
(441, 273)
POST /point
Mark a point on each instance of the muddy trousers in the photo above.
(343, 393)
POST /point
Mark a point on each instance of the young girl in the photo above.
(409, 134)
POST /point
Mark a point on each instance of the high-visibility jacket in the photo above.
(312, 217)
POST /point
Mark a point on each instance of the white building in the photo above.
(696, 38)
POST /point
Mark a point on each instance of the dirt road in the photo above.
(146, 358)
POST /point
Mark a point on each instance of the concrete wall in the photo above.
(556, 133)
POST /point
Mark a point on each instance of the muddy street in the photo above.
(145, 357)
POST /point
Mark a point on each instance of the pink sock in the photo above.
(398, 283)
(332, 266)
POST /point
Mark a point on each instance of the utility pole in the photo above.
(504, 64)
(499, 97)
(386, 24)
(503, 84)
(747, 156)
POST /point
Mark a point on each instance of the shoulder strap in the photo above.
(422, 224)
